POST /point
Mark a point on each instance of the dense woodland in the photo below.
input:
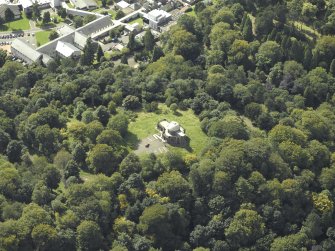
(260, 77)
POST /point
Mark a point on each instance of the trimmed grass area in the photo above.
(102, 10)
(20, 24)
(138, 20)
(191, 13)
(145, 125)
(42, 37)
(85, 176)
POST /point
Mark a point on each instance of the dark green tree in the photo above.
(148, 40)
(14, 151)
(132, 43)
(88, 53)
(100, 53)
(332, 68)
(53, 35)
(89, 236)
(46, 17)
(124, 59)
(36, 11)
(157, 53)
(3, 56)
(247, 30)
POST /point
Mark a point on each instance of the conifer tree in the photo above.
(332, 68)
(100, 53)
(247, 30)
(132, 43)
(157, 53)
(88, 53)
(307, 58)
(124, 59)
(148, 40)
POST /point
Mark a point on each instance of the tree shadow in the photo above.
(4, 27)
(185, 146)
(132, 140)
(178, 114)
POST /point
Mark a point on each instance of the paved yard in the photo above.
(155, 145)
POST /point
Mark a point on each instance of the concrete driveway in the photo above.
(151, 144)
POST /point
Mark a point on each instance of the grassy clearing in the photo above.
(42, 37)
(101, 10)
(85, 176)
(20, 24)
(191, 13)
(138, 20)
(145, 125)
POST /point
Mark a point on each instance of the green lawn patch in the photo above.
(16, 25)
(191, 13)
(102, 10)
(85, 176)
(42, 37)
(145, 125)
(138, 20)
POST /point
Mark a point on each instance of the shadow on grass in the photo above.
(185, 146)
(178, 114)
(132, 140)
(47, 26)
(4, 27)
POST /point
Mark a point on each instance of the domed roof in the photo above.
(173, 126)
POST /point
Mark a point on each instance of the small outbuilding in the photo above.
(172, 132)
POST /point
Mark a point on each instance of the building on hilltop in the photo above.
(172, 132)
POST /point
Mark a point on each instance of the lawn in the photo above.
(138, 20)
(191, 13)
(20, 24)
(145, 125)
(42, 37)
(103, 10)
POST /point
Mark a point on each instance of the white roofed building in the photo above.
(67, 50)
(172, 132)
(157, 17)
(84, 4)
(122, 4)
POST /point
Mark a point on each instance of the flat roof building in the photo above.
(122, 4)
(157, 17)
